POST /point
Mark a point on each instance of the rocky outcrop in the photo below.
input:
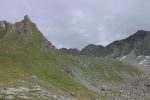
(125, 46)
(94, 50)
(72, 51)
(27, 31)
(143, 48)
(2, 25)
(6, 29)
(30, 93)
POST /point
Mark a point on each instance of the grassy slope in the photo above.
(104, 69)
(20, 59)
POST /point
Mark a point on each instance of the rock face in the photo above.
(25, 28)
(143, 47)
(6, 29)
(27, 31)
(132, 43)
(138, 42)
(70, 51)
(2, 25)
(33, 92)
(94, 50)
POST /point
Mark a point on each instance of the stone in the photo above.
(10, 97)
(2, 25)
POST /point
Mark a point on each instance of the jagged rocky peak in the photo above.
(25, 30)
(26, 22)
(22, 27)
(139, 42)
(140, 34)
(26, 27)
(26, 18)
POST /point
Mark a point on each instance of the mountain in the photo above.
(32, 68)
(138, 42)
(132, 43)
(72, 51)
(143, 48)
(94, 50)
(89, 50)
(129, 50)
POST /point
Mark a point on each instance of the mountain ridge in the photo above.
(28, 59)
(31, 67)
(118, 47)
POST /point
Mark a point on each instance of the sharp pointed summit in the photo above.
(26, 18)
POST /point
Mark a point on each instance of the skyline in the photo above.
(77, 23)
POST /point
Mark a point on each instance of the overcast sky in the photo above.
(77, 23)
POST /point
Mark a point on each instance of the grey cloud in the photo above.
(76, 23)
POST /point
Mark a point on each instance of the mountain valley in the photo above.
(31, 68)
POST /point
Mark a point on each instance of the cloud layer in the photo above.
(76, 23)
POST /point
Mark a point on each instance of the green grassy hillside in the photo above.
(23, 57)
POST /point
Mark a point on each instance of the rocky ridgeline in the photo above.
(134, 50)
(23, 28)
(138, 42)
(27, 31)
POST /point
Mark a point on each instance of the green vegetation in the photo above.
(23, 57)
(20, 59)
(104, 69)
